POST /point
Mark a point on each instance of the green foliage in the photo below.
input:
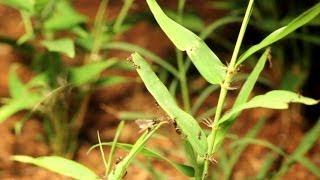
(63, 18)
(64, 45)
(280, 33)
(207, 63)
(16, 87)
(91, 71)
(27, 5)
(277, 99)
(186, 170)
(59, 165)
(187, 123)
(122, 166)
(185, 40)
(60, 94)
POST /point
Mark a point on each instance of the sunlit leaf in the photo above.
(16, 88)
(120, 169)
(59, 165)
(282, 32)
(27, 5)
(16, 105)
(86, 73)
(185, 121)
(276, 99)
(207, 63)
(64, 45)
(64, 17)
(186, 170)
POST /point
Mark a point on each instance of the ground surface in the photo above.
(285, 129)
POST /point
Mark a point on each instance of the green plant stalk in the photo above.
(102, 153)
(225, 86)
(183, 82)
(181, 66)
(97, 31)
(122, 166)
(113, 147)
(122, 15)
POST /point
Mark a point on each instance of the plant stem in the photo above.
(181, 65)
(122, 15)
(96, 32)
(225, 86)
(183, 82)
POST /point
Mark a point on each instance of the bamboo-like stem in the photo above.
(225, 86)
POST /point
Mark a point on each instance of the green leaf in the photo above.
(185, 121)
(190, 20)
(17, 105)
(276, 99)
(282, 32)
(146, 53)
(16, 88)
(120, 169)
(86, 73)
(111, 80)
(27, 5)
(64, 45)
(64, 17)
(186, 170)
(207, 63)
(59, 165)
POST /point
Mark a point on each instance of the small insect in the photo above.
(157, 104)
(176, 128)
(199, 135)
(118, 160)
(184, 136)
(125, 174)
(136, 66)
(146, 124)
(129, 59)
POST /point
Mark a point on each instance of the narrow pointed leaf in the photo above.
(185, 121)
(17, 105)
(280, 33)
(16, 88)
(64, 17)
(186, 170)
(120, 169)
(64, 45)
(277, 99)
(27, 5)
(59, 165)
(207, 63)
(85, 74)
